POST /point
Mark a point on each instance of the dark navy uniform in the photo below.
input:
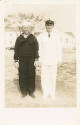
(26, 51)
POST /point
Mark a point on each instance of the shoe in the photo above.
(53, 97)
(32, 95)
(44, 97)
(23, 95)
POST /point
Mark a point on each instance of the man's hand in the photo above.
(37, 64)
(59, 64)
(16, 61)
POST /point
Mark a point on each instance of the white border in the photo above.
(2, 52)
(78, 52)
(37, 116)
(38, 1)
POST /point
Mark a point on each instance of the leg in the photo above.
(31, 77)
(45, 80)
(53, 73)
(23, 76)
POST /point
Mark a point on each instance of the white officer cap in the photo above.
(49, 18)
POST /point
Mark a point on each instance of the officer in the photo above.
(50, 52)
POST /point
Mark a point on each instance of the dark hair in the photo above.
(49, 22)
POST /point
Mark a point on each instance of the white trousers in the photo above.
(48, 80)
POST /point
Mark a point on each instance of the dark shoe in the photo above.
(24, 94)
(32, 95)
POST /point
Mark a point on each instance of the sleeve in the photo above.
(36, 48)
(40, 47)
(16, 50)
(59, 48)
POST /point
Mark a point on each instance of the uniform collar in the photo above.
(51, 33)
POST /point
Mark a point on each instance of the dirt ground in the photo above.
(65, 86)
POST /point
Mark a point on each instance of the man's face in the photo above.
(49, 28)
(26, 31)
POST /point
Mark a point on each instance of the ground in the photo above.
(65, 85)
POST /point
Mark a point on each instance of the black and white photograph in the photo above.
(40, 55)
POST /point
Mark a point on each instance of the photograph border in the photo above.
(34, 116)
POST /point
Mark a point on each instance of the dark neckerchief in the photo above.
(30, 36)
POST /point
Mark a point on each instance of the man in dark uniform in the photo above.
(26, 52)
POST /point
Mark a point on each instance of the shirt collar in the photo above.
(51, 33)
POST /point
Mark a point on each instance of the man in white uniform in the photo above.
(50, 53)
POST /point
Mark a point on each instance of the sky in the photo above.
(64, 14)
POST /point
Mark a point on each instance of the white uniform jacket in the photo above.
(50, 48)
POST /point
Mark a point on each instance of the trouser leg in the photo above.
(45, 80)
(52, 77)
(31, 77)
(23, 81)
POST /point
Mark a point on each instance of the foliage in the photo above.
(15, 21)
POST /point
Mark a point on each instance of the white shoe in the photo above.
(53, 97)
(44, 97)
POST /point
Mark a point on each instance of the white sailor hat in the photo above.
(26, 24)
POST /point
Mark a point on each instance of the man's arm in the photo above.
(59, 48)
(16, 50)
(36, 53)
(36, 49)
